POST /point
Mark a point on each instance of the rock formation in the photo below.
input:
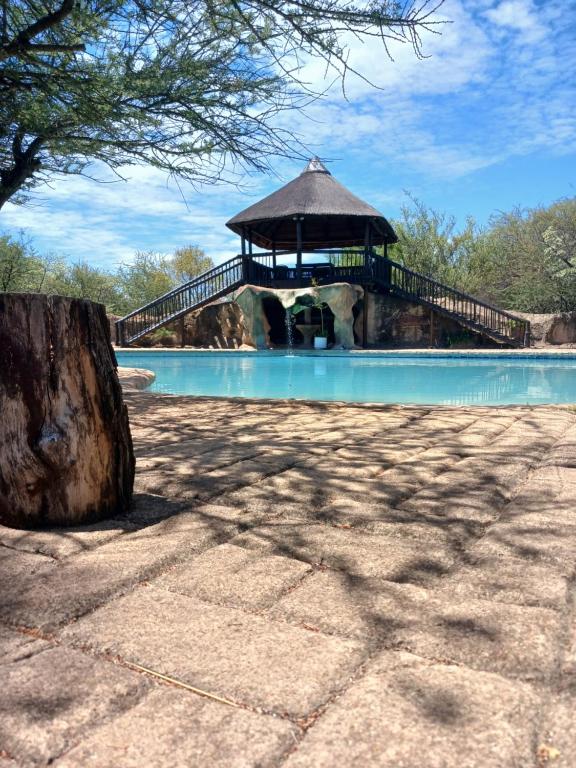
(340, 298)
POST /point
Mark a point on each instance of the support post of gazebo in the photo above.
(250, 255)
(367, 246)
(387, 274)
(299, 249)
(243, 252)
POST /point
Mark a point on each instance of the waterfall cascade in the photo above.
(289, 337)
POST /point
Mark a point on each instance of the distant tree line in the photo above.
(524, 260)
(129, 287)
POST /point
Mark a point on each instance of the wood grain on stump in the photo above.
(65, 447)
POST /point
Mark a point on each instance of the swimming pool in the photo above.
(429, 378)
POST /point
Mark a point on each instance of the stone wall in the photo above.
(215, 326)
(551, 329)
(219, 325)
(390, 322)
(395, 322)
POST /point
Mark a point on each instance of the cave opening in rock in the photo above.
(276, 316)
(310, 320)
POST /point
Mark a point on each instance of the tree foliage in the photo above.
(532, 258)
(82, 281)
(524, 260)
(146, 278)
(20, 267)
(188, 262)
(429, 243)
(183, 86)
(131, 286)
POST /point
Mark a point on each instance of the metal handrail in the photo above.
(261, 269)
(462, 306)
(200, 290)
(455, 291)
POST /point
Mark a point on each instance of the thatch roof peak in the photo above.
(315, 165)
(332, 216)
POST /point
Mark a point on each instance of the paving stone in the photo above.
(563, 453)
(179, 482)
(180, 459)
(353, 607)
(78, 584)
(222, 650)
(557, 734)
(511, 640)
(302, 485)
(537, 542)
(147, 508)
(549, 496)
(203, 522)
(337, 467)
(15, 564)
(15, 645)
(385, 520)
(507, 580)
(411, 713)
(62, 542)
(234, 575)
(568, 662)
(475, 489)
(255, 500)
(349, 551)
(397, 447)
(532, 436)
(51, 698)
(174, 729)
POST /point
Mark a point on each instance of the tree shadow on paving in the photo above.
(289, 509)
(60, 542)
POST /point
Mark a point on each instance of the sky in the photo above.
(486, 122)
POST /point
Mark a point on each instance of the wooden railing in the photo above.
(341, 266)
(464, 308)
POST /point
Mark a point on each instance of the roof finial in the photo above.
(315, 165)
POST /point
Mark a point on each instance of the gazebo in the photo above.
(315, 215)
(312, 214)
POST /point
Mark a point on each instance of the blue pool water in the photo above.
(372, 378)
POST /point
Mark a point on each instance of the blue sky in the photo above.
(485, 123)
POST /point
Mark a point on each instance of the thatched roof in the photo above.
(332, 216)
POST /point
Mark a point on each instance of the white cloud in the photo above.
(521, 16)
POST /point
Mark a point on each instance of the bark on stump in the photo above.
(66, 452)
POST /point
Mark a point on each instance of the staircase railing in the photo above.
(225, 278)
(200, 290)
(468, 310)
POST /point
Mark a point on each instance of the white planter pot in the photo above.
(320, 342)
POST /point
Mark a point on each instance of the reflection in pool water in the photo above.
(387, 378)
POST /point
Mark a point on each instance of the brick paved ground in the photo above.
(358, 586)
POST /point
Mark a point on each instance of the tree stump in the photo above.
(66, 452)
